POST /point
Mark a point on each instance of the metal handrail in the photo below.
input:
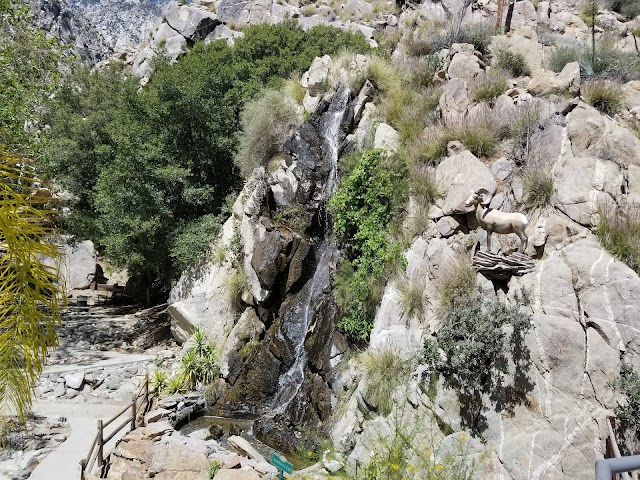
(96, 451)
(616, 466)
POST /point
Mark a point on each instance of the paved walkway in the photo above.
(64, 462)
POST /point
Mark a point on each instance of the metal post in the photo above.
(83, 467)
(133, 414)
(100, 444)
(280, 476)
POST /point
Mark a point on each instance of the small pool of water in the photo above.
(244, 428)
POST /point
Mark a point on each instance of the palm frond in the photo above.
(30, 299)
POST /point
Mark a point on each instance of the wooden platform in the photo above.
(502, 266)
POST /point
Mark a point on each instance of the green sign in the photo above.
(281, 465)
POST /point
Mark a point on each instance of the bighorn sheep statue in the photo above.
(496, 221)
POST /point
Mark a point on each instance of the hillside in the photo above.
(310, 186)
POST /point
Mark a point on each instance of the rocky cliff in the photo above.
(96, 29)
(550, 421)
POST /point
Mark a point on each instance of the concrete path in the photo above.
(64, 462)
(106, 359)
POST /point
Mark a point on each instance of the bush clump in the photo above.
(412, 297)
(537, 188)
(562, 55)
(627, 8)
(604, 96)
(199, 366)
(608, 63)
(469, 347)
(619, 232)
(364, 206)
(266, 122)
(488, 86)
(384, 371)
(628, 412)
(512, 62)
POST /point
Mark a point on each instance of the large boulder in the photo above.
(200, 299)
(524, 41)
(76, 263)
(464, 62)
(190, 21)
(460, 174)
(545, 82)
(454, 101)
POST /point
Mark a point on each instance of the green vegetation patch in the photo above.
(619, 232)
(628, 411)
(472, 348)
(364, 206)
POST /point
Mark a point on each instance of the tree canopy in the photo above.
(151, 168)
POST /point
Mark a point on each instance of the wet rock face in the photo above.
(287, 370)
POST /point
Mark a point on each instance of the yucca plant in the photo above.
(176, 384)
(30, 298)
(159, 380)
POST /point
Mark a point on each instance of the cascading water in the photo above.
(331, 130)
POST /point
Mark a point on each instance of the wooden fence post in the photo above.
(133, 413)
(146, 390)
(100, 444)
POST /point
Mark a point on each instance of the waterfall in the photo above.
(330, 129)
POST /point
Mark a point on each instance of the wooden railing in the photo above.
(129, 414)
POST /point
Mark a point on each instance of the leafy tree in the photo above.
(151, 169)
(29, 301)
(29, 73)
(363, 207)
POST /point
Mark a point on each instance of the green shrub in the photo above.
(176, 385)
(159, 379)
(627, 8)
(432, 145)
(609, 62)
(236, 283)
(294, 89)
(411, 447)
(619, 232)
(478, 34)
(294, 218)
(628, 412)
(423, 70)
(214, 466)
(199, 365)
(266, 123)
(537, 188)
(481, 137)
(365, 204)
(384, 74)
(423, 186)
(562, 55)
(488, 86)
(412, 297)
(410, 110)
(192, 242)
(512, 62)
(470, 348)
(458, 281)
(384, 371)
(603, 95)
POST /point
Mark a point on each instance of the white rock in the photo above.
(74, 380)
(386, 137)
